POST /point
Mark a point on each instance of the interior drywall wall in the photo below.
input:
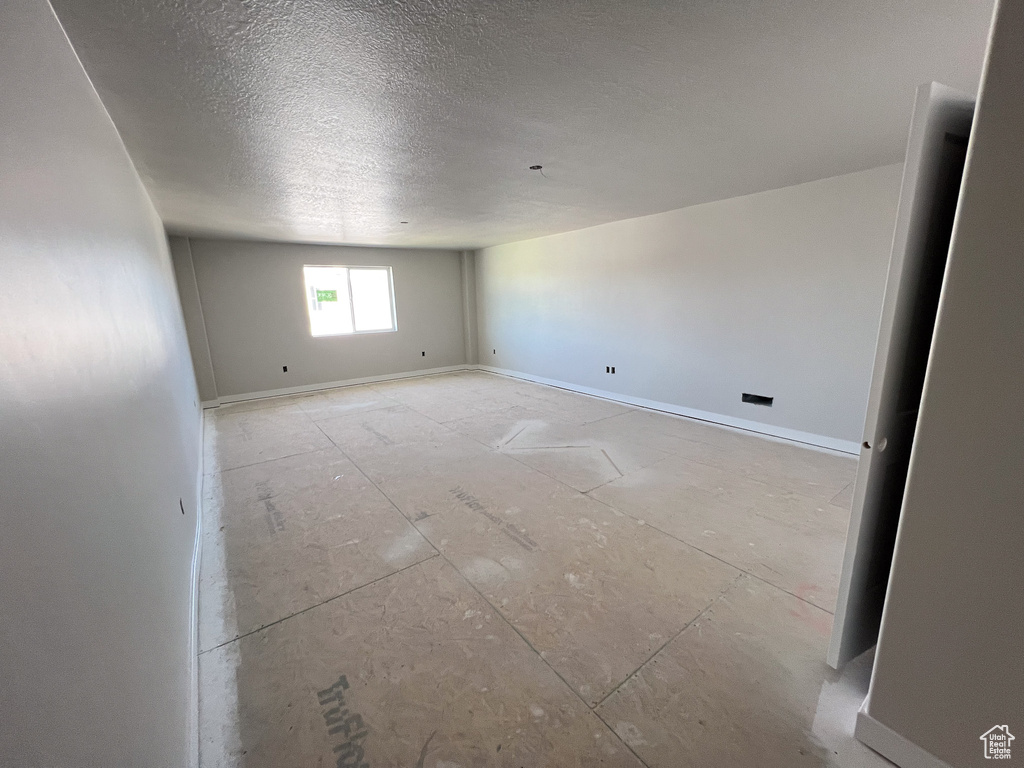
(469, 308)
(100, 431)
(776, 294)
(253, 298)
(949, 665)
(195, 323)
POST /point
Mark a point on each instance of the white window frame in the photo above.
(311, 300)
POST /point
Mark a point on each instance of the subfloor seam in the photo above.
(322, 603)
(832, 501)
(545, 662)
(664, 645)
(614, 465)
(710, 554)
(610, 416)
(264, 461)
(509, 441)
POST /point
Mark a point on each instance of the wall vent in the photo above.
(757, 399)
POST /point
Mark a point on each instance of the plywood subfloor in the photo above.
(470, 570)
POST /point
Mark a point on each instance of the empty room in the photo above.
(414, 384)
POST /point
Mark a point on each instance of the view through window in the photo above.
(343, 300)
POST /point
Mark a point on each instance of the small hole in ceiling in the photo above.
(536, 167)
(403, 222)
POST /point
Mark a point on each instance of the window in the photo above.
(344, 300)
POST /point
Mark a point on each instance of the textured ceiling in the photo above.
(335, 120)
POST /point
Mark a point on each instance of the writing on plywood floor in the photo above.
(469, 570)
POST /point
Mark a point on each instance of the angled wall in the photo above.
(776, 294)
(100, 430)
(195, 322)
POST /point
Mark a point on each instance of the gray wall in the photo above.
(100, 431)
(469, 308)
(949, 664)
(253, 300)
(195, 322)
(777, 293)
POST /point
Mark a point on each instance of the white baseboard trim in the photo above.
(890, 745)
(193, 635)
(227, 399)
(770, 430)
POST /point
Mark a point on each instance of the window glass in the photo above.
(371, 299)
(343, 300)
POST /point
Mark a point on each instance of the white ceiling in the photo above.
(334, 120)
